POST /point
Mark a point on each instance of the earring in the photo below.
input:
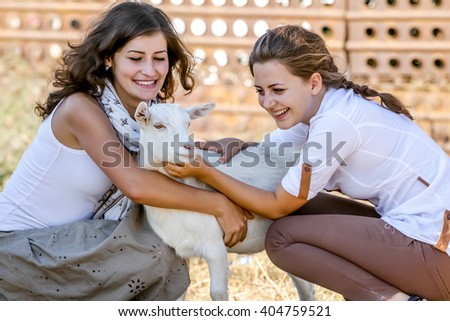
(107, 68)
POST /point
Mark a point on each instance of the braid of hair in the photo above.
(387, 100)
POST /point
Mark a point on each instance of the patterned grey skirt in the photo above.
(95, 259)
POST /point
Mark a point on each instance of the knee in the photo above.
(275, 240)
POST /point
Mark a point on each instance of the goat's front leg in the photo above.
(306, 290)
(218, 272)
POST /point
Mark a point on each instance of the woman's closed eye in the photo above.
(274, 90)
(279, 90)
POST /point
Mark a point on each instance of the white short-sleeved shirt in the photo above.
(52, 185)
(368, 152)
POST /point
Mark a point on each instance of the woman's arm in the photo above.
(332, 139)
(265, 203)
(227, 147)
(86, 125)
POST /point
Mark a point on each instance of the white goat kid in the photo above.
(164, 137)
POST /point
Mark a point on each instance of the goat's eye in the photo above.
(159, 126)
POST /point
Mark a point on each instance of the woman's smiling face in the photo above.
(140, 69)
(286, 97)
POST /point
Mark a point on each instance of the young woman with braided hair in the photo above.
(364, 144)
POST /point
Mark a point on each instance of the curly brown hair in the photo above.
(82, 68)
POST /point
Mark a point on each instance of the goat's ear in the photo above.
(200, 110)
(142, 115)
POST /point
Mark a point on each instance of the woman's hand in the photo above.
(197, 167)
(232, 218)
(227, 147)
(233, 222)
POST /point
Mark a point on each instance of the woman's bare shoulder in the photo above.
(80, 101)
(80, 107)
(80, 114)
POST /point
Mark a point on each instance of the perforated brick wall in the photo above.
(401, 46)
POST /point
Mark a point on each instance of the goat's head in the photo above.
(165, 132)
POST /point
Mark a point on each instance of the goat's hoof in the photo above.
(219, 297)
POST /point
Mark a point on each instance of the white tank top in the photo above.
(52, 185)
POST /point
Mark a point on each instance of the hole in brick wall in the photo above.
(221, 57)
(306, 25)
(260, 27)
(199, 55)
(416, 63)
(392, 32)
(219, 28)
(261, 3)
(370, 3)
(75, 24)
(219, 3)
(14, 22)
(56, 23)
(414, 2)
(327, 31)
(34, 21)
(242, 57)
(414, 32)
(34, 51)
(240, 3)
(391, 2)
(55, 51)
(283, 3)
(327, 2)
(179, 25)
(240, 28)
(439, 63)
(305, 3)
(394, 63)
(370, 32)
(198, 27)
(437, 33)
(372, 63)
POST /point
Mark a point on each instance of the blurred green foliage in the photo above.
(22, 84)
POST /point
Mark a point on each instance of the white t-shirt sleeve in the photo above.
(332, 138)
